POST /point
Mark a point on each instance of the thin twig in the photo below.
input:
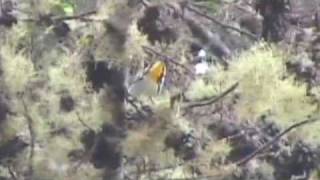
(82, 122)
(27, 115)
(250, 35)
(32, 137)
(1, 6)
(87, 156)
(232, 137)
(12, 174)
(197, 178)
(258, 151)
(251, 156)
(213, 100)
(133, 102)
(82, 16)
(145, 3)
(152, 169)
(274, 140)
(79, 16)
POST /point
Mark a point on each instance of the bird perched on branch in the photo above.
(151, 82)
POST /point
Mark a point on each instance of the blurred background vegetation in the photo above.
(65, 110)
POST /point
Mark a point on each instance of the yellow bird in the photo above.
(151, 83)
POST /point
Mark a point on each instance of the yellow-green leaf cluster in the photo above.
(265, 86)
(18, 69)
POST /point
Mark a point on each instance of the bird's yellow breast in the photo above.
(157, 71)
(151, 83)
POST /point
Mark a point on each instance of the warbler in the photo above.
(150, 83)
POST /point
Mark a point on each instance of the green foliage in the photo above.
(200, 89)
(264, 87)
(62, 7)
(315, 175)
(67, 74)
(213, 155)
(17, 65)
(42, 67)
(68, 7)
(134, 45)
(212, 5)
(56, 132)
(147, 140)
(57, 7)
(18, 69)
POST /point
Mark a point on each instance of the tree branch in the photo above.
(145, 3)
(250, 35)
(142, 110)
(212, 100)
(274, 140)
(32, 137)
(79, 16)
(83, 123)
(258, 151)
(12, 174)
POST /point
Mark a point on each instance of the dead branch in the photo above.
(83, 123)
(82, 17)
(212, 100)
(145, 3)
(177, 97)
(141, 109)
(258, 151)
(87, 156)
(197, 178)
(250, 35)
(12, 173)
(274, 140)
(79, 16)
(28, 116)
(32, 137)
(153, 169)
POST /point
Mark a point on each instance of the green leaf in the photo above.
(63, 7)
(68, 8)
